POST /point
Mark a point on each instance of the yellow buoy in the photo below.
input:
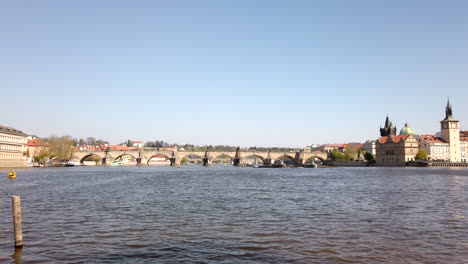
(12, 175)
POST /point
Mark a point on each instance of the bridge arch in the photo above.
(314, 158)
(286, 159)
(223, 156)
(192, 157)
(90, 155)
(248, 156)
(120, 157)
(157, 155)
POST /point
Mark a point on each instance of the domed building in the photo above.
(393, 150)
(406, 130)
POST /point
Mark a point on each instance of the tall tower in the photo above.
(388, 130)
(450, 131)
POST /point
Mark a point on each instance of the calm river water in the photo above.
(237, 215)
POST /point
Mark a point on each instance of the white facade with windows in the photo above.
(435, 147)
(13, 147)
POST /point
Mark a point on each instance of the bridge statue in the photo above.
(267, 161)
(206, 159)
(237, 158)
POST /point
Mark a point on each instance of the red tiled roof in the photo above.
(35, 142)
(394, 138)
(432, 139)
(463, 138)
(118, 147)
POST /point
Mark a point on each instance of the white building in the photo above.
(369, 146)
(13, 147)
(435, 147)
(138, 144)
(463, 149)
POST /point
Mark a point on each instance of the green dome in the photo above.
(406, 130)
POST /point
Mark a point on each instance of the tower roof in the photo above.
(448, 112)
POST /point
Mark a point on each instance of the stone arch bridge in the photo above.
(143, 157)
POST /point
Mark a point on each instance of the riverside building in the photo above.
(13, 147)
(445, 146)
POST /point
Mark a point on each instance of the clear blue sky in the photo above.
(248, 73)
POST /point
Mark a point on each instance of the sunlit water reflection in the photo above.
(237, 215)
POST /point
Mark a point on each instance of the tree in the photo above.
(368, 156)
(60, 148)
(184, 160)
(42, 156)
(101, 142)
(421, 155)
(351, 152)
(337, 155)
(90, 141)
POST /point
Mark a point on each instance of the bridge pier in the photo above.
(236, 162)
(299, 159)
(206, 162)
(175, 162)
(138, 160)
(104, 161)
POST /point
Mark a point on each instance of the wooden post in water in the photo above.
(16, 201)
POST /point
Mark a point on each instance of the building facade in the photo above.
(35, 147)
(463, 149)
(13, 147)
(436, 148)
(369, 146)
(396, 150)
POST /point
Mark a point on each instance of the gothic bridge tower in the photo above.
(388, 130)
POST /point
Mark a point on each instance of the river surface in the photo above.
(237, 215)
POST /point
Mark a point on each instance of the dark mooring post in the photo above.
(16, 202)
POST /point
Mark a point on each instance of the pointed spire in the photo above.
(387, 122)
(448, 112)
(448, 109)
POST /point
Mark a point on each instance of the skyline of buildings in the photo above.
(390, 149)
